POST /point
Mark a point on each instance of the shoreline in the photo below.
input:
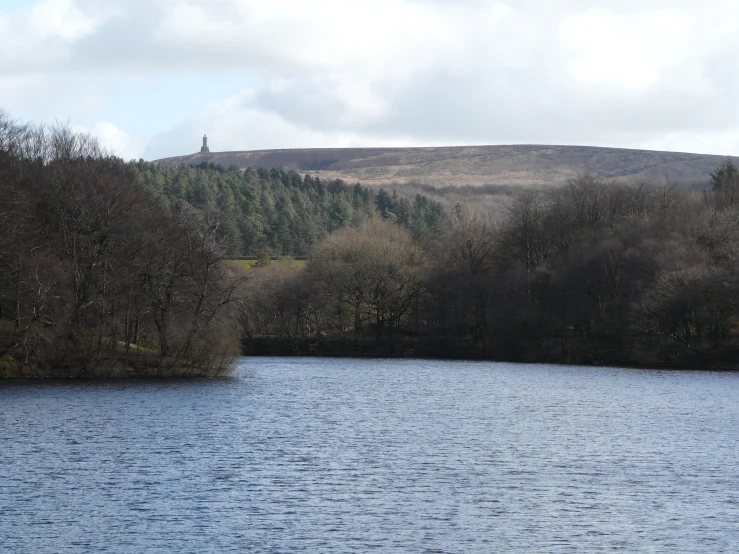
(348, 348)
(429, 350)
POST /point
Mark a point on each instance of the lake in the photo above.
(336, 455)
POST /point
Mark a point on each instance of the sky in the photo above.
(150, 77)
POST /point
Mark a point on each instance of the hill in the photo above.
(472, 166)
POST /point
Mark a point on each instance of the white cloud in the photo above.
(115, 140)
(724, 143)
(378, 38)
(629, 53)
(15, 90)
(606, 52)
(339, 72)
(236, 124)
(43, 38)
(61, 19)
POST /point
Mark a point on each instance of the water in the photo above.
(316, 455)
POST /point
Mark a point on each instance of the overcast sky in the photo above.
(149, 77)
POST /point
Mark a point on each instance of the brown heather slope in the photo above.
(461, 166)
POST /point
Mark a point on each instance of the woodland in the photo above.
(597, 273)
(96, 277)
(115, 269)
(279, 211)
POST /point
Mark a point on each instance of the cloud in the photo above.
(43, 37)
(378, 72)
(114, 140)
(725, 143)
(635, 52)
(375, 37)
(237, 124)
(60, 19)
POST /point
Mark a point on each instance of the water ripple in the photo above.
(311, 455)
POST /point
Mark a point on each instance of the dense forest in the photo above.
(97, 279)
(591, 273)
(279, 211)
(126, 269)
(116, 269)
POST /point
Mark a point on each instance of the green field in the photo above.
(250, 264)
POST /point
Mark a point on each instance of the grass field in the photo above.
(250, 264)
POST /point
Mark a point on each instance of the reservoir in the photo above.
(338, 455)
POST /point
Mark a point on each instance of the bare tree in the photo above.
(373, 271)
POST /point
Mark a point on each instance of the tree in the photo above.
(471, 250)
(92, 268)
(373, 271)
(725, 184)
(725, 176)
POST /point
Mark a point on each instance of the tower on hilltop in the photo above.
(205, 148)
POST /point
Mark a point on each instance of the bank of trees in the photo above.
(590, 273)
(121, 268)
(282, 212)
(95, 278)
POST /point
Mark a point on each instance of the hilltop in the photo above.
(472, 166)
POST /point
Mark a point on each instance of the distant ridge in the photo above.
(518, 165)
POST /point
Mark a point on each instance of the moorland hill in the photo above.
(472, 166)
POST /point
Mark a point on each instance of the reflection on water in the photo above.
(317, 455)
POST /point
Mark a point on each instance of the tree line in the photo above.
(96, 277)
(281, 212)
(591, 273)
(110, 268)
(113, 268)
